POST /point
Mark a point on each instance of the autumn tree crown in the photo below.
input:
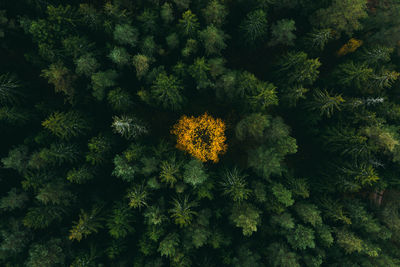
(203, 137)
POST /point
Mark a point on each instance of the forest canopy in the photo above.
(183, 133)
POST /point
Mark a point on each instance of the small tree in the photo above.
(213, 40)
(194, 173)
(128, 126)
(254, 26)
(189, 23)
(235, 186)
(126, 34)
(119, 222)
(182, 212)
(282, 32)
(247, 217)
(66, 125)
(87, 224)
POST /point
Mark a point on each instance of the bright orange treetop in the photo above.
(203, 137)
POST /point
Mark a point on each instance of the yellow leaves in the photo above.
(349, 47)
(203, 137)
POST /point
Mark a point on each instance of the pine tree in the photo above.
(119, 222)
(9, 93)
(235, 186)
(87, 224)
(247, 217)
(282, 32)
(189, 23)
(194, 173)
(167, 92)
(128, 126)
(182, 212)
(326, 103)
(254, 27)
(213, 40)
(126, 34)
(66, 125)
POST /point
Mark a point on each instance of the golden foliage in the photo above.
(349, 47)
(203, 137)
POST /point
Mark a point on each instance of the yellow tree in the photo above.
(203, 137)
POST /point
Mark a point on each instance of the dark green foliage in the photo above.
(282, 32)
(66, 125)
(119, 223)
(166, 92)
(126, 34)
(247, 217)
(9, 85)
(213, 40)
(234, 185)
(46, 254)
(13, 200)
(254, 26)
(307, 92)
(101, 81)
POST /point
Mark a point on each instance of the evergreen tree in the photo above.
(66, 125)
(254, 26)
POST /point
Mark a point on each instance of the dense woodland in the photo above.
(206, 133)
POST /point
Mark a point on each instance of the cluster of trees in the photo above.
(199, 133)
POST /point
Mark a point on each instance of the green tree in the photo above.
(195, 173)
(88, 223)
(46, 254)
(341, 16)
(213, 40)
(167, 92)
(58, 75)
(215, 13)
(86, 65)
(13, 200)
(120, 99)
(349, 241)
(301, 238)
(99, 149)
(9, 93)
(128, 126)
(119, 56)
(326, 103)
(66, 125)
(235, 186)
(15, 237)
(141, 64)
(17, 159)
(281, 256)
(14, 115)
(137, 196)
(352, 74)
(309, 213)
(199, 71)
(182, 212)
(120, 220)
(102, 80)
(80, 175)
(167, 13)
(247, 217)
(126, 34)
(254, 26)
(282, 32)
(319, 38)
(189, 23)
(169, 245)
(298, 68)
